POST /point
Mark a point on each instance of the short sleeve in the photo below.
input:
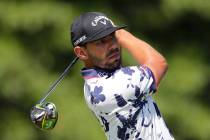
(147, 81)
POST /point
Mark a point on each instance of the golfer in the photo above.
(120, 97)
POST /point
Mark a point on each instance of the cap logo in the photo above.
(80, 40)
(101, 19)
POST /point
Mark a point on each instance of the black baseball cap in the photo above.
(91, 26)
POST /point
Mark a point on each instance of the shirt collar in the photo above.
(96, 73)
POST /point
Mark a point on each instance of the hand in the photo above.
(119, 35)
(123, 37)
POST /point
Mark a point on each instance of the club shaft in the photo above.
(54, 85)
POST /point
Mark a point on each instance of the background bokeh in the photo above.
(35, 48)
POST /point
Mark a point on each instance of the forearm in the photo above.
(143, 53)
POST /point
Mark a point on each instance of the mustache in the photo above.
(116, 50)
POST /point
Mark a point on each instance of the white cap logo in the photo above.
(101, 19)
(80, 40)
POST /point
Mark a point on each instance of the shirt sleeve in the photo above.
(147, 81)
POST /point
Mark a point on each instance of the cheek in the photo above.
(97, 52)
(96, 56)
(100, 53)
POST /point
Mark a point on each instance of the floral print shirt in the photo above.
(122, 102)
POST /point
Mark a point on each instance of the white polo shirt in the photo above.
(122, 102)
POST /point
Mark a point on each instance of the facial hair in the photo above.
(117, 62)
(98, 62)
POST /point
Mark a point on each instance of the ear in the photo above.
(81, 52)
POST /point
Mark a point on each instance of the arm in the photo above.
(143, 53)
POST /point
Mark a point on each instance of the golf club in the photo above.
(44, 114)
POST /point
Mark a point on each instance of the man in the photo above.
(120, 97)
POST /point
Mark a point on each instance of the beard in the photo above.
(113, 65)
(103, 63)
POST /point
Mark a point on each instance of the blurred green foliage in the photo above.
(35, 48)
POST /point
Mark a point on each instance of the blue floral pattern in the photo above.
(122, 103)
(127, 123)
(120, 100)
(128, 71)
(96, 95)
(130, 83)
(106, 123)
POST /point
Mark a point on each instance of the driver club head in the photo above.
(44, 115)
